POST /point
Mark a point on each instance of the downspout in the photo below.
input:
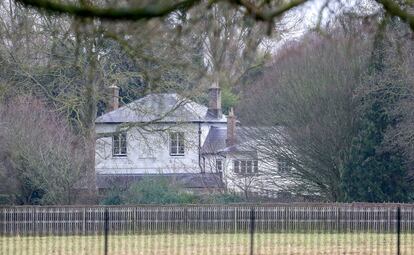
(199, 148)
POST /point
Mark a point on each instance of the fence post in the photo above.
(398, 230)
(84, 221)
(338, 220)
(252, 226)
(185, 227)
(235, 220)
(4, 221)
(106, 230)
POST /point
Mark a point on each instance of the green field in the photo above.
(197, 244)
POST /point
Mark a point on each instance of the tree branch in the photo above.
(394, 9)
(119, 13)
(267, 15)
(150, 11)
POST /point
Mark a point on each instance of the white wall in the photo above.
(267, 180)
(148, 151)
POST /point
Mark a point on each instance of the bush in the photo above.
(158, 190)
(151, 191)
(225, 198)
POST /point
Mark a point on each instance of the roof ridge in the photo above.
(153, 105)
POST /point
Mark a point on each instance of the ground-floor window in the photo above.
(245, 166)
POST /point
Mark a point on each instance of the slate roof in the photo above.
(245, 139)
(216, 140)
(186, 180)
(160, 108)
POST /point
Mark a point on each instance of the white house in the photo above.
(169, 135)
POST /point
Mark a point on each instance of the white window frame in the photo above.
(177, 144)
(246, 166)
(119, 145)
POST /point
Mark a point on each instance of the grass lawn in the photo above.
(198, 244)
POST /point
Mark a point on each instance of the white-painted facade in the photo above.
(148, 152)
(148, 144)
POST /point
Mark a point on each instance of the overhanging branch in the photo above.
(150, 11)
(118, 13)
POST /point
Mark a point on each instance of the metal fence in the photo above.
(209, 229)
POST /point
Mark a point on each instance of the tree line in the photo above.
(343, 102)
(342, 94)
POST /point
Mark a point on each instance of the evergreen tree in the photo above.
(376, 172)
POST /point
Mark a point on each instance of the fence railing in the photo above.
(209, 229)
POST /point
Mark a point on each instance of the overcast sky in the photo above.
(297, 22)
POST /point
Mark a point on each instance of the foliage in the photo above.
(372, 174)
(156, 190)
(376, 172)
(305, 101)
(229, 99)
(40, 160)
(152, 191)
(224, 198)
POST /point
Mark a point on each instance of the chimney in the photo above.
(231, 129)
(114, 101)
(214, 104)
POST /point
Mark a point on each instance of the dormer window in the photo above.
(119, 145)
(177, 144)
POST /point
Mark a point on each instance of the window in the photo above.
(177, 144)
(282, 166)
(236, 166)
(246, 166)
(243, 166)
(256, 166)
(249, 167)
(119, 145)
(219, 165)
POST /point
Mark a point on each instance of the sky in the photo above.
(305, 18)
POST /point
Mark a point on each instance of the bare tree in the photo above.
(306, 99)
(42, 160)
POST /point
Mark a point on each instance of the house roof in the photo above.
(216, 140)
(246, 137)
(186, 180)
(164, 107)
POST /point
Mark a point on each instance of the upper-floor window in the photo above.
(219, 165)
(246, 166)
(177, 144)
(119, 145)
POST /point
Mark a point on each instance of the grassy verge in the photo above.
(234, 244)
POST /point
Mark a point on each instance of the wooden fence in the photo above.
(392, 219)
(212, 218)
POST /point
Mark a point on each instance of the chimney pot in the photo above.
(214, 106)
(231, 129)
(114, 102)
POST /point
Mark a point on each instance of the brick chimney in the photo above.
(114, 101)
(214, 104)
(231, 129)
